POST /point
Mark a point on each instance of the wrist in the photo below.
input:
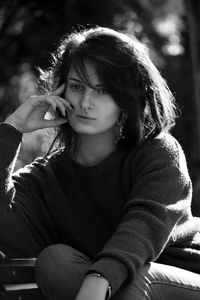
(104, 283)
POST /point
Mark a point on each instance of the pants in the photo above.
(60, 271)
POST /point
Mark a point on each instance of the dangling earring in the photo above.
(120, 127)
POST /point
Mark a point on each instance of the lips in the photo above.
(85, 117)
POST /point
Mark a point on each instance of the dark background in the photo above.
(29, 31)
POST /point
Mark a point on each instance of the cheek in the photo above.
(71, 98)
(110, 115)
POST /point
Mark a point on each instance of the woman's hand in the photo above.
(93, 288)
(30, 115)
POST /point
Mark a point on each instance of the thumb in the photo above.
(54, 122)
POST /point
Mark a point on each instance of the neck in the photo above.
(93, 149)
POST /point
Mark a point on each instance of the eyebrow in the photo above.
(77, 80)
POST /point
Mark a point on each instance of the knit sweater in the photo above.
(130, 209)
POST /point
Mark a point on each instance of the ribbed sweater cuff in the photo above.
(113, 270)
(10, 135)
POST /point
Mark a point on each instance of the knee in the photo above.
(56, 257)
(46, 270)
(59, 271)
(46, 261)
(52, 256)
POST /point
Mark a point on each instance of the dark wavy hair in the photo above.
(123, 64)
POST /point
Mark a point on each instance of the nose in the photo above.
(86, 100)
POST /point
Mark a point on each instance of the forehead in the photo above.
(90, 72)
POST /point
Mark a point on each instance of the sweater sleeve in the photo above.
(160, 196)
(22, 213)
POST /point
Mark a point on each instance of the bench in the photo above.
(17, 280)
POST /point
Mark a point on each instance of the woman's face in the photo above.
(95, 111)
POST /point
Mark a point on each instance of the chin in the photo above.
(85, 132)
(80, 129)
(86, 129)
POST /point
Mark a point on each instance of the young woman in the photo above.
(107, 213)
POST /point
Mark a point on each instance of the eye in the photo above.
(102, 91)
(76, 87)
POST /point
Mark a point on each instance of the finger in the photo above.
(55, 104)
(59, 105)
(59, 90)
(66, 103)
(54, 122)
(44, 101)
